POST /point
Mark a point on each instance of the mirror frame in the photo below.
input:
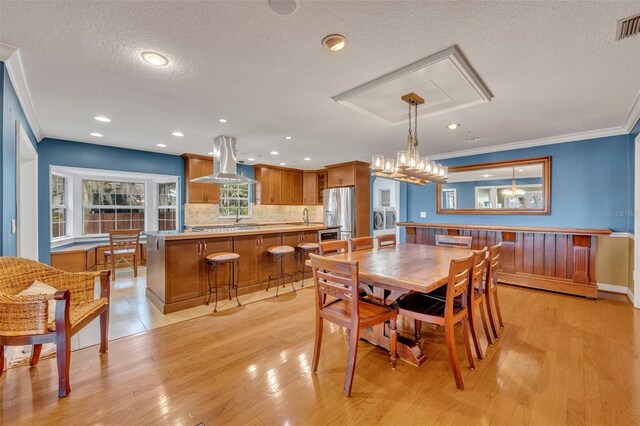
(546, 187)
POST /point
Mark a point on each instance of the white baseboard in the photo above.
(611, 288)
(631, 297)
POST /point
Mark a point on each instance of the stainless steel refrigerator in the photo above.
(340, 210)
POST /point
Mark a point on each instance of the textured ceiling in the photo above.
(553, 67)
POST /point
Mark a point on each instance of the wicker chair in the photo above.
(23, 319)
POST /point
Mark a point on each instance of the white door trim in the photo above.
(636, 226)
(27, 221)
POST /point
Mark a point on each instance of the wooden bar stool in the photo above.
(215, 261)
(279, 254)
(302, 253)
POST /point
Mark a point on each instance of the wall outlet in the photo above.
(423, 215)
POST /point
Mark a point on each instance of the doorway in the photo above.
(26, 195)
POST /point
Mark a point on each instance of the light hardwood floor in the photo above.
(560, 360)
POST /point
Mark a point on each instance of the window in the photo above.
(385, 198)
(167, 204)
(58, 206)
(109, 205)
(234, 200)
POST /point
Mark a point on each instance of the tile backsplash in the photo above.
(207, 214)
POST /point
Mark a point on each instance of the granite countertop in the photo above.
(241, 229)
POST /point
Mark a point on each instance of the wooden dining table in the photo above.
(401, 269)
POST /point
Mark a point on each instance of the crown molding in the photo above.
(12, 59)
(633, 116)
(571, 137)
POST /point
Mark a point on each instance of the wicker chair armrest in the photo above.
(23, 315)
(63, 300)
(80, 284)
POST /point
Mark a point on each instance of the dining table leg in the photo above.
(408, 350)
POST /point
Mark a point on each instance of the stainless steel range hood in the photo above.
(224, 163)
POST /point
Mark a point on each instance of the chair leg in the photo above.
(104, 331)
(417, 329)
(490, 313)
(394, 342)
(453, 355)
(135, 266)
(236, 273)
(215, 282)
(231, 269)
(63, 355)
(209, 281)
(317, 345)
(474, 330)
(354, 336)
(35, 355)
(113, 267)
(467, 343)
(1, 360)
(483, 317)
(495, 295)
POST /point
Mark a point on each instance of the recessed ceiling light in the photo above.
(486, 175)
(251, 159)
(521, 170)
(307, 158)
(103, 119)
(334, 42)
(274, 153)
(222, 120)
(178, 134)
(96, 134)
(155, 59)
(283, 164)
(453, 126)
(288, 138)
(161, 145)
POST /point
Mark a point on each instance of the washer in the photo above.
(390, 218)
(378, 219)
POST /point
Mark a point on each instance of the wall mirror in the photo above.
(509, 187)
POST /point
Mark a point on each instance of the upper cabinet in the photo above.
(314, 182)
(202, 193)
(278, 185)
(342, 175)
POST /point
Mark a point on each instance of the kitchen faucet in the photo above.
(305, 216)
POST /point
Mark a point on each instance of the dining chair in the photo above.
(123, 245)
(327, 248)
(453, 241)
(420, 307)
(337, 301)
(361, 243)
(386, 240)
(491, 288)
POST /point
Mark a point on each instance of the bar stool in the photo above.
(302, 252)
(215, 261)
(278, 254)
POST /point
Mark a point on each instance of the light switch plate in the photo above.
(423, 215)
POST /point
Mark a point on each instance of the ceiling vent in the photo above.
(628, 27)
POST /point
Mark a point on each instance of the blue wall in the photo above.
(11, 112)
(591, 187)
(55, 152)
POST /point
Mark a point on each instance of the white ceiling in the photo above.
(553, 67)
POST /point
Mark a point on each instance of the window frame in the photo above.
(249, 203)
(116, 207)
(64, 206)
(159, 206)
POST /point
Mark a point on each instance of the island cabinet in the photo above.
(553, 259)
(199, 193)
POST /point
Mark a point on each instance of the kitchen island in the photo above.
(177, 272)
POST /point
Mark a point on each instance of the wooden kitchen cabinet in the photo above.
(291, 239)
(278, 185)
(199, 193)
(342, 175)
(183, 270)
(314, 182)
(267, 266)
(248, 247)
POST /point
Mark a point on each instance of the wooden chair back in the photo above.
(386, 240)
(458, 284)
(492, 265)
(453, 241)
(338, 279)
(479, 268)
(124, 240)
(361, 243)
(327, 248)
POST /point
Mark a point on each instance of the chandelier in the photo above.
(409, 166)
